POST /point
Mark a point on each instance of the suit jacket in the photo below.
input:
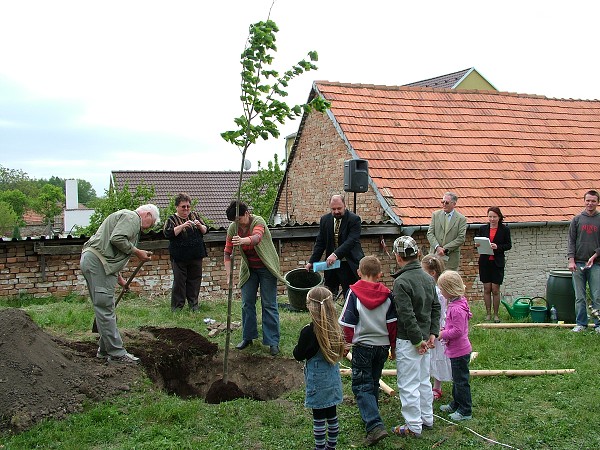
(502, 240)
(452, 239)
(348, 240)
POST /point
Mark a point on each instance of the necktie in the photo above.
(336, 232)
(446, 221)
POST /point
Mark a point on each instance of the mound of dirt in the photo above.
(42, 376)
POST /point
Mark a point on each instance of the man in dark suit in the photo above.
(339, 237)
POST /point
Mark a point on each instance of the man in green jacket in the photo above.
(104, 255)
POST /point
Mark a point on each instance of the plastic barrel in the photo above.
(300, 281)
(560, 293)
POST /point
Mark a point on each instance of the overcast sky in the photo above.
(90, 87)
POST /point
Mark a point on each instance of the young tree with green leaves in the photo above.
(260, 190)
(263, 111)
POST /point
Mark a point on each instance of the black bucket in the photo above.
(560, 294)
(300, 281)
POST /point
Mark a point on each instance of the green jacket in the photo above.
(265, 249)
(416, 303)
(115, 240)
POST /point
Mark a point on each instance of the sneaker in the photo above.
(100, 354)
(457, 417)
(404, 431)
(127, 358)
(274, 350)
(427, 427)
(578, 329)
(447, 408)
(375, 435)
(597, 329)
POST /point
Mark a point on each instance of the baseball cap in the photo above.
(405, 246)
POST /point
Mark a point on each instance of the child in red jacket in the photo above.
(369, 323)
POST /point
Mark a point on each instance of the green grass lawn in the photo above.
(541, 412)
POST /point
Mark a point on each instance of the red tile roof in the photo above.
(212, 190)
(31, 217)
(532, 156)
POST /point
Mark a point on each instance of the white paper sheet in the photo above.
(485, 247)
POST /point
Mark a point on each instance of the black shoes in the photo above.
(242, 345)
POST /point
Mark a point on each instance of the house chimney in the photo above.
(72, 195)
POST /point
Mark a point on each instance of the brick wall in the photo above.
(317, 172)
(25, 270)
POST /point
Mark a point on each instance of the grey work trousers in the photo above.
(102, 290)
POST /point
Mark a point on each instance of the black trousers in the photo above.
(344, 276)
(187, 278)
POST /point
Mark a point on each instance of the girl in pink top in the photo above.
(458, 347)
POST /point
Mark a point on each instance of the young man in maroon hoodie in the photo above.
(369, 323)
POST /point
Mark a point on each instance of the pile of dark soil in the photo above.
(42, 376)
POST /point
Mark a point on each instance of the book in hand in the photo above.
(322, 265)
(485, 246)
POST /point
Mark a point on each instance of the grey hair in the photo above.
(452, 196)
(152, 209)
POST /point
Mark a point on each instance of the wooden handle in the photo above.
(129, 280)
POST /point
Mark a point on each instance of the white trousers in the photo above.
(414, 386)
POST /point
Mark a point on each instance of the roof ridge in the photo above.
(445, 90)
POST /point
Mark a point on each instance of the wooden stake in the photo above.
(526, 325)
(489, 373)
(520, 373)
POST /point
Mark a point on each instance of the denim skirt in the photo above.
(323, 383)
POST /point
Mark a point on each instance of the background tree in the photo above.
(17, 179)
(115, 200)
(16, 199)
(260, 190)
(86, 194)
(8, 219)
(49, 202)
(263, 111)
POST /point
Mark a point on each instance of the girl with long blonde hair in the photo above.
(321, 344)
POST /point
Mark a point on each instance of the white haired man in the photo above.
(103, 257)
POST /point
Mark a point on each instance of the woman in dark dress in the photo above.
(491, 267)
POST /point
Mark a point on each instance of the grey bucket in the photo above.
(300, 281)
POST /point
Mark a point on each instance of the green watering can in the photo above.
(520, 307)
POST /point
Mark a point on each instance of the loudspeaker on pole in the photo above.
(356, 175)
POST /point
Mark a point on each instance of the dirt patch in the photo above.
(42, 376)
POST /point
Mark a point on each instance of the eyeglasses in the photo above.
(444, 202)
(185, 206)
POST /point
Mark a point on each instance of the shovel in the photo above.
(125, 289)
